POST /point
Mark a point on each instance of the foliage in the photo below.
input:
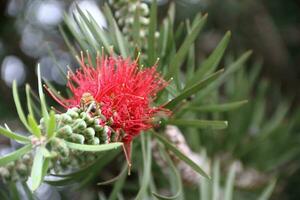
(193, 90)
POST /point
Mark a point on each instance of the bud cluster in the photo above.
(125, 13)
(77, 126)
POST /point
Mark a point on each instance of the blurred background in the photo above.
(29, 34)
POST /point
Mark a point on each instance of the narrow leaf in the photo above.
(178, 59)
(15, 155)
(29, 101)
(14, 136)
(194, 89)
(231, 69)
(181, 156)
(216, 180)
(151, 35)
(41, 94)
(118, 35)
(230, 183)
(213, 124)
(177, 180)
(18, 106)
(99, 148)
(146, 150)
(34, 126)
(37, 170)
(51, 125)
(266, 194)
(219, 107)
(210, 64)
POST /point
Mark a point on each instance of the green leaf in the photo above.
(41, 95)
(51, 125)
(34, 126)
(98, 148)
(216, 180)
(14, 136)
(68, 43)
(212, 124)
(146, 150)
(37, 169)
(151, 35)
(45, 166)
(181, 156)
(178, 59)
(70, 24)
(266, 194)
(102, 36)
(193, 89)
(210, 64)
(114, 179)
(231, 69)
(135, 33)
(230, 183)
(19, 107)
(118, 186)
(15, 155)
(29, 101)
(219, 107)
(115, 29)
(177, 180)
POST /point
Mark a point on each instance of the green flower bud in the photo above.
(75, 109)
(66, 118)
(77, 138)
(65, 131)
(98, 128)
(22, 169)
(95, 141)
(89, 133)
(72, 113)
(79, 124)
(5, 174)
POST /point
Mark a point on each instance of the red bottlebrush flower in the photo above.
(123, 91)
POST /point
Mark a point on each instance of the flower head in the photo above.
(123, 92)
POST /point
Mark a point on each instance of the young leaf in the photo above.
(181, 156)
(192, 90)
(36, 131)
(41, 95)
(98, 148)
(19, 107)
(4, 160)
(14, 136)
(51, 125)
(37, 169)
(29, 101)
(216, 125)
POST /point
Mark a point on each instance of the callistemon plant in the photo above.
(116, 96)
